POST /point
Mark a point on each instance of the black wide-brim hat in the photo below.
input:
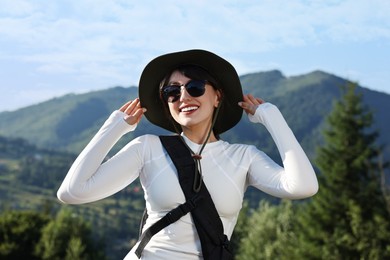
(224, 73)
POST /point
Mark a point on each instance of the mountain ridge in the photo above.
(69, 122)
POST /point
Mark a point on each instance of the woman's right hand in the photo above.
(133, 111)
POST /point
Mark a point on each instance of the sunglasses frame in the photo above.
(174, 95)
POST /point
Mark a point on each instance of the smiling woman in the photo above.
(193, 178)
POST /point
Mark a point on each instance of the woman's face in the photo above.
(193, 113)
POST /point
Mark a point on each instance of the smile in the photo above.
(188, 109)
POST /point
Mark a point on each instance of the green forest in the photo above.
(349, 218)
(31, 216)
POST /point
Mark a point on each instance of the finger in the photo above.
(246, 98)
(245, 103)
(135, 117)
(133, 105)
(254, 100)
(260, 101)
(250, 99)
(250, 104)
(123, 108)
(247, 107)
(139, 113)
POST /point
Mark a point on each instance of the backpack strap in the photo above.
(172, 216)
(215, 245)
(169, 218)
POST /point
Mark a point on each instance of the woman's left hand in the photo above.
(250, 103)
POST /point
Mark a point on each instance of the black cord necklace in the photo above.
(197, 156)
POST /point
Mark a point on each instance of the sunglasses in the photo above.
(172, 93)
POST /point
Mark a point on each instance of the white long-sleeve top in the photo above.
(228, 169)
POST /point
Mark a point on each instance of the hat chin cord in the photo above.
(197, 156)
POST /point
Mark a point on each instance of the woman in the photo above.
(198, 95)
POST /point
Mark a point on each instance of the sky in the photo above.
(52, 48)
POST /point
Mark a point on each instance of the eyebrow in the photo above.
(174, 83)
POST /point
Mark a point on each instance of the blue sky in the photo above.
(51, 48)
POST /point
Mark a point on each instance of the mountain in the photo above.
(306, 100)
(68, 123)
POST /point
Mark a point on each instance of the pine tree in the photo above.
(269, 230)
(347, 219)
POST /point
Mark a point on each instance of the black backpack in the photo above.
(215, 244)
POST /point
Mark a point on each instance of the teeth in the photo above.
(186, 109)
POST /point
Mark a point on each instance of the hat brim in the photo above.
(225, 74)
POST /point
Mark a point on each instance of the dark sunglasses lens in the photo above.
(195, 88)
(171, 93)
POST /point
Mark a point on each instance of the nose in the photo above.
(184, 94)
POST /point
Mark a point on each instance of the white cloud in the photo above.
(152, 26)
(111, 41)
(16, 7)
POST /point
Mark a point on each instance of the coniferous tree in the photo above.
(269, 232)
(347, 219)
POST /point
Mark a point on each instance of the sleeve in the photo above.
(296, 179)
(88, 179)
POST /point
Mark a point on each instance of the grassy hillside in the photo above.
(64, 123)
(67, 123)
